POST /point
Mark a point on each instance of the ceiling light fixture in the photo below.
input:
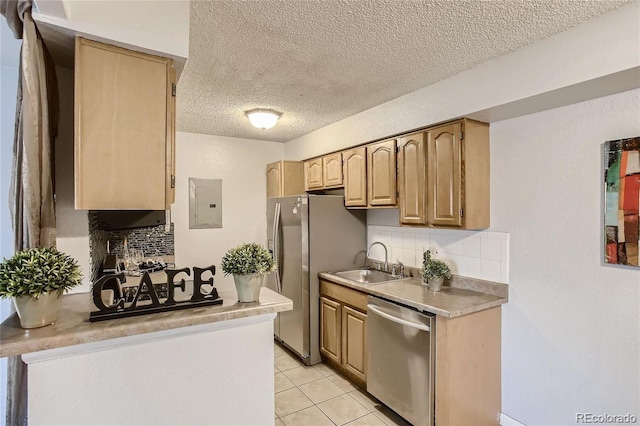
(263, 118)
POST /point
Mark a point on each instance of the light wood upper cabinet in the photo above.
(332, 170)
(381, 176)
(285, 178)
(354, 342)
(445, 170)
(323, 172)
(355, 177)
(274, 179)
(313, 174)
(331, 320)
(412, 158)
(458, 175)
(437, 176)
(124, 129)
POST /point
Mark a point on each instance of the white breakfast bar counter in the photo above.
(207, 365)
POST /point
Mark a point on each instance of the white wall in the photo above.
(10, 53)
(219, 373)
(72, 226)
(597, 48)
(240, 163)
(154, 25)
(571, 329)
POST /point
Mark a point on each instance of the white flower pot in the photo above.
(38, 312)
(435, 284)
(248, 287)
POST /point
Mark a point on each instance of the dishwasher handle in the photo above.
(376, 310)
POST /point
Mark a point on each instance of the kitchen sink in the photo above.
(367, 276)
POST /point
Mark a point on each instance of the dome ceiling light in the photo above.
(263, 118)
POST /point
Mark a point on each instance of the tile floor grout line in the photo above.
(375, 409)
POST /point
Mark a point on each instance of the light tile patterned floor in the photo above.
(318, 396)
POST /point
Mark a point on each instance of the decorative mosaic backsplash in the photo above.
(476, 254)
(154, 241)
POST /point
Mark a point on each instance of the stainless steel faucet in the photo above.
(386, 262)
(397, 270)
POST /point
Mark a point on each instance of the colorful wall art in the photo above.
(622, 199)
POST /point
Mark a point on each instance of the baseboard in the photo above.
(508, 421)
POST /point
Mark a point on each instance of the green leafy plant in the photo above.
(38, 271)
(248, 258)
(434, 268)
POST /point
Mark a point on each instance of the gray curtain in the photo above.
(31, 194)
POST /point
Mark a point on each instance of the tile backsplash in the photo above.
(476, 254)
(154, 241)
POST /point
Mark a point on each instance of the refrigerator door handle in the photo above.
(276, 246)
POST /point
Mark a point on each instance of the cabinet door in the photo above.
(412, 183)
(330, 319)
(381, 177)
(123, 128)
(313, 174)
(354, 342)
(292, 178)
(355, 177)
(444, 172)
(274, 179)
(332, 170)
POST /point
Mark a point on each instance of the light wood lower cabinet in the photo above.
(354, 342)
(331, 320)
(343, 318)
(468, 386)
(467, 355)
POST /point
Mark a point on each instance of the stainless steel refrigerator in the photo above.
(308, 234)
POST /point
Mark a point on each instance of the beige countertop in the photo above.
(73, 326)
(451, 302)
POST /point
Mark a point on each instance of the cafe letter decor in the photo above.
(119, 309)
(622, 198)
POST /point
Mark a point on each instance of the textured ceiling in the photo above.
(322, 61)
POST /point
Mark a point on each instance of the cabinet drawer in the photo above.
(345, 295)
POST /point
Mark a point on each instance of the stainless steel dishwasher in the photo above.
(401, 359)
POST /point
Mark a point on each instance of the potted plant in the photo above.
(434, 271)
(248, 263)
(36, 278)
